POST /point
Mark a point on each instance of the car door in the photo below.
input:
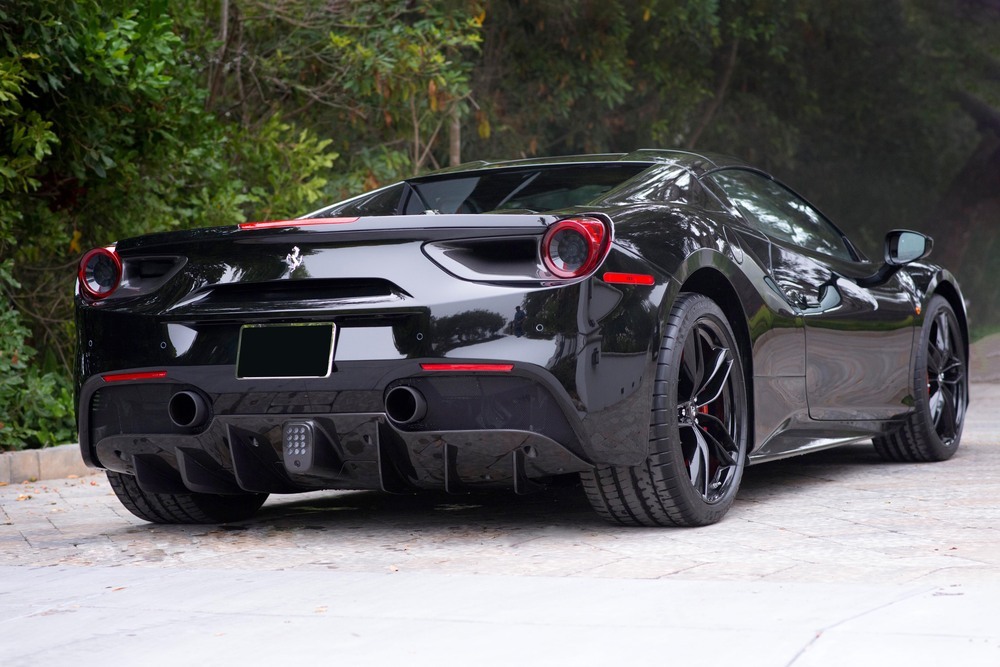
(858, 339)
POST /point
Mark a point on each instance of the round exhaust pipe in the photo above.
(405, 405)
(187, 409)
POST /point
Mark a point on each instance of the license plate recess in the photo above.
(285, 351)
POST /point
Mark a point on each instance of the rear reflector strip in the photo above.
(628, 278)
(278, 224)
(488, 368)
(128, 377)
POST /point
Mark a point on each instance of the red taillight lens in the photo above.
(100, 273)
(628, 278)
(485, 368)
(574, 247)
(132, 377)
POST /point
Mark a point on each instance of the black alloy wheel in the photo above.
(707, 413)
(947, 392)
(933, 430)
(699, 430)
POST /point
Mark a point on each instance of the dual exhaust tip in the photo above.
(187, 409)
(403, 405)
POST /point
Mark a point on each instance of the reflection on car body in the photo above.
(652, 322)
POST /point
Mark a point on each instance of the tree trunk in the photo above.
(455, 138)
(720, 94)
(218, 66)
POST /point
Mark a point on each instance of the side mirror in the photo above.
(903, 246)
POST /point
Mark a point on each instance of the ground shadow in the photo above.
(562, 505)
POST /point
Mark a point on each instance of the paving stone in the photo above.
(830, 521)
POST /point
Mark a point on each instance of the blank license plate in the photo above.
(285, 351)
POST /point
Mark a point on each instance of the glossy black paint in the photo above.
(828, 349)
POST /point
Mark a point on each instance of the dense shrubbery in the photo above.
(36, 407)
(120, 117)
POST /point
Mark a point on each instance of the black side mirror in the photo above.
(901, 247)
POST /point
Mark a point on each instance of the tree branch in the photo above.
(220, 57)
(720, 93)
(987, 118)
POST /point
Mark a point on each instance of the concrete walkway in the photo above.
(832, 559)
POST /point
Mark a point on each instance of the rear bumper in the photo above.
(478, 430)
(578, 392)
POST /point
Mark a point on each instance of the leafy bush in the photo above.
(36, 408)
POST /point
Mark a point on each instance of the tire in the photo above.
(183, 507)
(933, 430)
(699, 429)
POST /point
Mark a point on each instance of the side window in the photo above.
(779, 213)
(662, 185)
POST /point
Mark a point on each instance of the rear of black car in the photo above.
(395, 351)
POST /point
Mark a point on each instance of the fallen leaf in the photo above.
(74, 244)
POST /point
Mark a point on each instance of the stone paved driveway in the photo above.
(841, 513)
(882, 532)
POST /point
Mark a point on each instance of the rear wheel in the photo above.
(183, 507)
(940, 389)
(698, 429)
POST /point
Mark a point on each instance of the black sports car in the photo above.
(652, 322)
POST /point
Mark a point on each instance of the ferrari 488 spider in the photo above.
(652, 322)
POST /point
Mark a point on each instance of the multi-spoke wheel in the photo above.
(941, 392)
(698, 430)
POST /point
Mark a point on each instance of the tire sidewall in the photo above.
(694, 310)
(939, 450)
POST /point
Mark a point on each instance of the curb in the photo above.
(32, 465)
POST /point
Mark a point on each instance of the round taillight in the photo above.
(100, 273)
(574, 247)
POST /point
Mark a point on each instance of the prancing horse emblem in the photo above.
(293, 259)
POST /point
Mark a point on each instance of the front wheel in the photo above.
(699, 429)
(183, 507)
(940, 389)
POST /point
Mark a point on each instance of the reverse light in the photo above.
(298, 446)
(574, 247)
(100, 273)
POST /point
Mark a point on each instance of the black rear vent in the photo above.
(322, 289)
(153, 267)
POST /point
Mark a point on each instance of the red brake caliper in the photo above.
(713, 463)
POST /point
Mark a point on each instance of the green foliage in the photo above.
(36, 408)
(851, 101)
(285, 164)
(381, 80)
(104, 134)
(120, 117)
